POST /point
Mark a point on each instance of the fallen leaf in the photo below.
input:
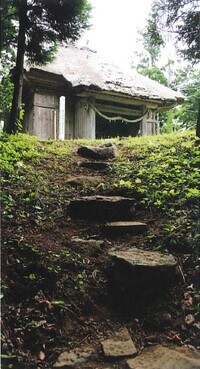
(41, 355)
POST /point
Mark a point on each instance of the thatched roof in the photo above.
(83, 67)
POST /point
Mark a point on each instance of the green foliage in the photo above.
(166, 178)
(184, 117)
(152, 39)
(8, 30)
(162, 173)
(154, 73)
(188, 80)
(46, 23)
(182, 18)
(15, 152)
(6, 93)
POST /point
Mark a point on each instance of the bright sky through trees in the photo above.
(114, 28)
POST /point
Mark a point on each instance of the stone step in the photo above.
(85, 181)
(138, 274)
(124, 227)
(120, 350)
(166, 358)
(101, 208)
(95, 165)
(140, 259)
(119, 345)
(102, 152)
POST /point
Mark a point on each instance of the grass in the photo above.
(161, 171)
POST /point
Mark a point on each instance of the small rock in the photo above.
(151, 339)
(89, 242)
(84, 181)
(126, 227)
(189, 319)
(69, 359)
(196, 327)
(158, 357)
(166, 318)
(119, 345)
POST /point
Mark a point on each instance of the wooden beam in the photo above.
(118, 110)
(128, 100)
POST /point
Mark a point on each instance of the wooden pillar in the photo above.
(84, 119)
(154, 122)
(61, 122)
(143, 124)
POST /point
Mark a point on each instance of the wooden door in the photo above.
(45, 115)
(45, 123)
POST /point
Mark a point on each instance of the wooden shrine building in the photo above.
(79, 95)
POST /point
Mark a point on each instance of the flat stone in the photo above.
(120, 345)
(89, 242)
(101, 208)
(160, 357)
(142, 258)
(84, 181)
(126, 227)
(71, 359)
(139, 277)
(102, 152)
(95, 165)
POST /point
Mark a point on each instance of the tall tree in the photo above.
(182, 19)
(152, 42)
(39, 25)
(188, 81)
(152, 39)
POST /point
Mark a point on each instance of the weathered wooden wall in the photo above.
(151, 123)
(84, 120)
(69, 117)
(147, 126)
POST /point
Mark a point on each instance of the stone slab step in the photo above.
(124, 227)
(85, 181)
(144, 259)
(119, 345)
(139, 275)
(166, 358)
(101, 208)
(95, 165)
(102, 152)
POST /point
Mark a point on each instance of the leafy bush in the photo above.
(163, 173)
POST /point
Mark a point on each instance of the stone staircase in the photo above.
(132, 270)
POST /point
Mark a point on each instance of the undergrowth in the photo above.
(160, 172)
(163, 173)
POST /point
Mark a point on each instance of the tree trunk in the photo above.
(19, 70)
